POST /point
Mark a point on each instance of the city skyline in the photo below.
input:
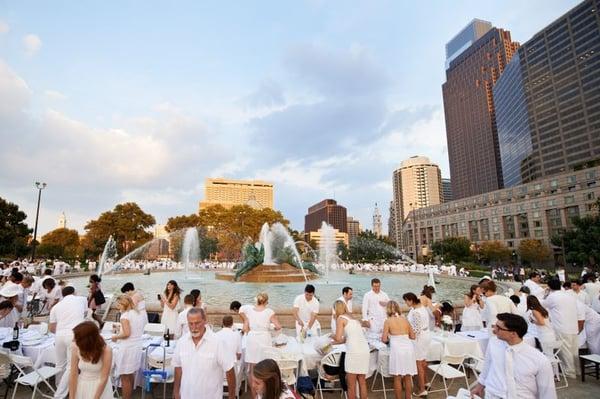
(142, 105)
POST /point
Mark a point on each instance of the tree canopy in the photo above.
(493, 252)
(14, 232)
(534, 252)
(581, 242)
(182, 222)
(127, 223)
(60, 243)
(454, 249)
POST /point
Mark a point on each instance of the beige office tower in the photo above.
(416, 184)
(227, 192)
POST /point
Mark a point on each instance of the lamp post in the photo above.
(40, 187)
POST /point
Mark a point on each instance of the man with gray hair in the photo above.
(201, 361)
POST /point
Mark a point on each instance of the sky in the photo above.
(116, 101)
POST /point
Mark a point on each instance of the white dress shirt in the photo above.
(562, 307)
(68, 313)
(517, 371)
(535, 289)
(371, 309)
(496, 304)
(232, 340)
(203, 366)
(182, 323)
(306, 308)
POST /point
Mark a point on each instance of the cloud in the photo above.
(337, 73)
(32, 44)
(4, 28)
(55, 95)
(269, 94)
(14, 93)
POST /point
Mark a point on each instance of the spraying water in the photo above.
(265, 239)
(327, 249)
(276, 241)
(108, 255)
(190, 250)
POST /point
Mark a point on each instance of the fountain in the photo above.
(327, 249)
(108, 255)
(190, 250)
(274, 258)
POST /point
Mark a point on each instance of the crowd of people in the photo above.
(563, 315)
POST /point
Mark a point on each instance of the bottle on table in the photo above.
(16, 332)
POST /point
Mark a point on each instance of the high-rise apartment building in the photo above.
(353, 227)
(473, 150)
(327, 211)
(377, 223)
(548, 99)
(416, 184)
(229, 192)
(446, 190)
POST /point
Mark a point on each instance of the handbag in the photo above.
(304, 385)
(99, 298)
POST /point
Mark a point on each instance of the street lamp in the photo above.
(40, 187)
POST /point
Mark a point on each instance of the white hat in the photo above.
(10, 290)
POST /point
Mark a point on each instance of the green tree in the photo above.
(454, 249)
(581, 242)
(534, 252)
(342, 250)
(14, 232)
(494, 251)
(127, 223)
(234, 226)
(60, 243)
(182, 222)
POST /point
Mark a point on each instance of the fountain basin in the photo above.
(283, 273)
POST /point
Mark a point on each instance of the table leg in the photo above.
(582, 364)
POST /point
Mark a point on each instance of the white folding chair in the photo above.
(557, 365)
(42, 328)
(383, 370)
(475, 364)
(155, 329)
(333, 360)
(289, 367)
(446, 370)
(32, 378)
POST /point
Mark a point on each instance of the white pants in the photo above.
(62, 345)
(569, 353)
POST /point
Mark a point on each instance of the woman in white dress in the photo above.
(471, 316)
(434, 313)
(257, 323)
(91, 361)
(128, 354)
(137, 298)
(348, 330)
(418, 317)
(402, 361)
(266, 381)
(539, 317)
(170, 305)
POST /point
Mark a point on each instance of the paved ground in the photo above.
(590, 389)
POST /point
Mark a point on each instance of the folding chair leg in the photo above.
(383, 387)
(374, 380)
(15, 390)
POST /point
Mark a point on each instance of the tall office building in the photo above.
(229, 192)
(353, 227)
(377, 223)
(473, 149)
(465, 38)
(416, 184)
(327, 211)
(548, 99)
(446, 190)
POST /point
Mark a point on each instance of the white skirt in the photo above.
(86, 388)
(128, 358)
(421, 345)
(357, 363)
(255, 342)
(402, 356)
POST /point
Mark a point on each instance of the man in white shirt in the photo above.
(592, 288)
(237, 308)
(578, 288)
(373, 307)
(533, 283)
(512, 368)
(563, 311)
(305, 311)
(231, 339)
(347, 299)
(64, 316)
(201, 361)
(494, 303)
(182, 324)
(12, 292)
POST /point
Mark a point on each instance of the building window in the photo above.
(589, 196)
(590, 175)
(536, 214)
(569, 199)
(552, 202)
(554, 183)
(572, 179)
